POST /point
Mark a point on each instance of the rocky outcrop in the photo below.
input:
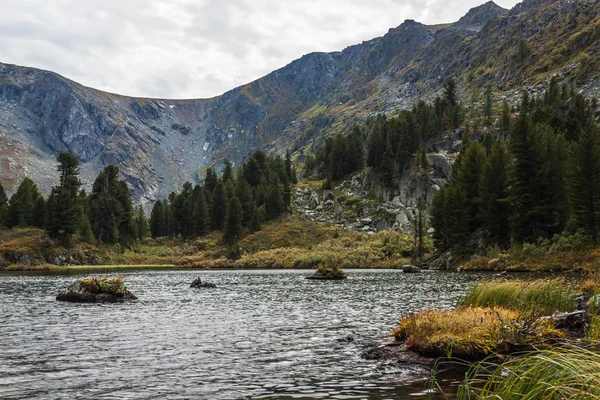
(198, 284)
(82, 293)
(411, 269)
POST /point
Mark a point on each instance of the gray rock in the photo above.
(366, 221)
(198, 284)
(76, 293)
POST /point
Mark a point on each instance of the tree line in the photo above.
(105, 215)
(232, 203)
(543, 181)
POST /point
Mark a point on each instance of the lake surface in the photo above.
(260, 334)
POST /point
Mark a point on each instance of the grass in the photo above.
(562, 373)
(104, 285)
(287, 242)
(495, 316)
(546, 295)
(469, 332)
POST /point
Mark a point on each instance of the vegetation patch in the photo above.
(103, 285)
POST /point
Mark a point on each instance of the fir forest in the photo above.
(415, 216)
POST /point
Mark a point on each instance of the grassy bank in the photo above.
(500, 316)
(288, 242)
(562, 253)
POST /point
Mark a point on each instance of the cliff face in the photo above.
(159, 144)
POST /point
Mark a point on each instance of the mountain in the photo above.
(159, 144)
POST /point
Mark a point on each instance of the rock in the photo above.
(57, 259)
(410, 269)
(442, 164)
(329, 196)
(347, 339)
(313, 201)
(430, 231)
(573, 321)
(366, 221)
(78, 293)
(197, 284)
(23, 259)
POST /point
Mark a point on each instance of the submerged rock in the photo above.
(326, 277)
(95, 291)
(199, 284)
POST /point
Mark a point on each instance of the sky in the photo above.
(195, 48)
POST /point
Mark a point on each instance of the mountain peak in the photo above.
(477, 17)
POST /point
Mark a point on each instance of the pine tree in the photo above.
(219, 208)
(387, 167)
(450, 92)
(85, 229)
(201, 215)
(211, 180)
(275, 205)
(465, 176)
(521, 181)
(233, 223)
(584, 181)
(158, 223)
(243, 191)
(436, 211)
(227, 172)
(63, 208)
(22, 205)
(3, 207)
(253, 172)
(254, 224)
(494, 210)
(141, 224)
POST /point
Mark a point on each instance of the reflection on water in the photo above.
(260, 334)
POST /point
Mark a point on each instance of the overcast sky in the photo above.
(195, 48)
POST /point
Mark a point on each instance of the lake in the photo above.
(259, 335)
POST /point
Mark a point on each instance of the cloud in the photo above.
(194, 48)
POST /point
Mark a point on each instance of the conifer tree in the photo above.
(494, 210)
(141, 224)
(254, 224)
(210, 182)
(22, 205)
(243, 191)
(3, 207)
(63, 208)
(584, 181)
(201, 215)
(487, 107)
(465, 176)
(275, 204)
(233, 223)
(227, 172)
(158, 223)
(219, 208)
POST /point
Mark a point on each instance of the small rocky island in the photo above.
(97, 290)
(198, 284)
(328, 272)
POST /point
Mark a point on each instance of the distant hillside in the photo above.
(159, 144)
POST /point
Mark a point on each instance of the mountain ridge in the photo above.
(161, 143)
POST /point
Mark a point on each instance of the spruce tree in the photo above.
(63, 208)
(584, 181)
(141, 224)
(275, 205)
(465, 176)
(219, 208)
(243, 191)
(494, 209)
(3, 207)
(505, 118)
(487, 106)
(211, 180)
(158, 223)
(233, 223)
(201, 215)
(254, 224)
(227, 172)
(22, 204)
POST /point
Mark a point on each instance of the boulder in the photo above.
(410, 269)
(313, 202)
(366, 221)
(329, 196)
(197, 284)
(83, 292)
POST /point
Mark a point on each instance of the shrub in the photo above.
(104, 285)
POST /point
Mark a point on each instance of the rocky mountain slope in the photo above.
(159, 144)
